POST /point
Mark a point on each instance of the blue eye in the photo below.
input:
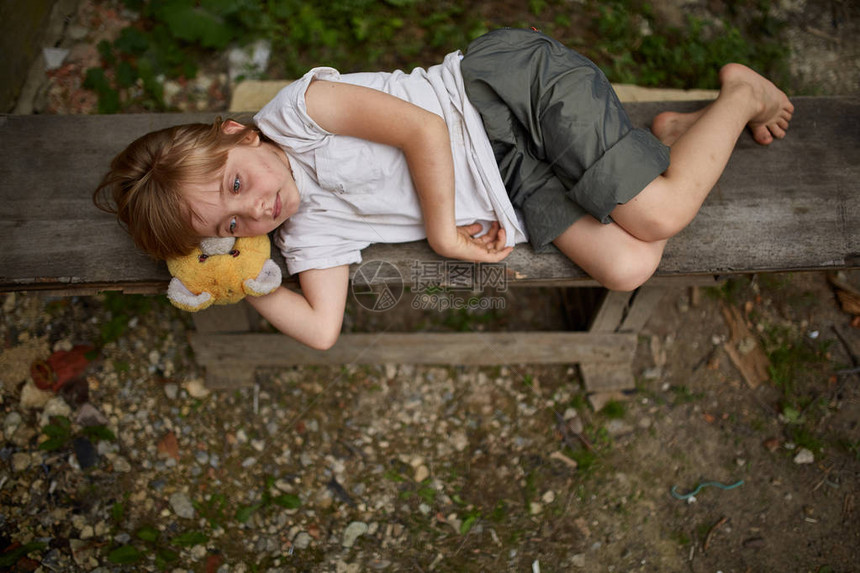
(232, 226)
(236, 184)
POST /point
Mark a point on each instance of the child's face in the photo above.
(255, 193)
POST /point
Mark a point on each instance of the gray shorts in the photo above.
(564, 144)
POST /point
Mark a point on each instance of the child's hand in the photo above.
(488, 248)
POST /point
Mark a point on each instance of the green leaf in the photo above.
(52, 444)
(106, 52)
(117, 512)
(195, 25)
(167, 555)
(124, 555)
(55, 431)
(148, 533)
(132, 41)
(109, 101)
(467, 524)
(243, 514)
(288, 501)
(126, 74)
(98, 433)
(12, 557)
(190, 539)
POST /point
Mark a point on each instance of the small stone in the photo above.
(617, 428)
(32, 398)
(459, 440)
(56, 406)
(653, 373)
(11, 423)
(181, 505)
(121, 465)
(171, 390)
(89, 415)
(421, 473)
(196, 388)
(535, 508)
(804, 456)
(302, 540)
(85, 453)
(578, 561)
(20, 462)
(353, 531)
(82, 552)
(548, 497)
(390, 371)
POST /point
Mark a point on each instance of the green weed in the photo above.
(635, 46)
(285, 500)
(683, 395)
(60, 432)
(149, 542)
(613, 410)
(629, 41)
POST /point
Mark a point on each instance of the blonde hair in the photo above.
(144, 185)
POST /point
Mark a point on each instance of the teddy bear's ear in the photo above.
(268, 280)
(181, 297)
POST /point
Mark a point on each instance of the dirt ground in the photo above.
(404, 468)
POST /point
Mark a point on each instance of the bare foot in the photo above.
(772, 109)
(670, 125)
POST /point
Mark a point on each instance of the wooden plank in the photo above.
(607, 376)
(610, 312)
(641, 308)
(221, 376)
(466, 348)
(794, 205)
(224, 318)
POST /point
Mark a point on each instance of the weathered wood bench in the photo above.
(791, 206)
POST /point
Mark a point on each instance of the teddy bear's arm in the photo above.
(268, 280)
(183, 298)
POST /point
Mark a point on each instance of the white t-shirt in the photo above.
(356, 192)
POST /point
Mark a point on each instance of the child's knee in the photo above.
(656, 228)
(632, 270)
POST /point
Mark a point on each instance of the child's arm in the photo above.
(314, 317)
(423, 137)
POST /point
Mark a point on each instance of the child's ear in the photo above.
(230, 127)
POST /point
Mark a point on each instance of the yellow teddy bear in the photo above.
(222, 271)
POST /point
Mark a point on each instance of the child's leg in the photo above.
(609, 254)
(701, 152)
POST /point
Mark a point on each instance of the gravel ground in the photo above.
(404, 468)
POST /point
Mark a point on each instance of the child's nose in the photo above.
(256, 208)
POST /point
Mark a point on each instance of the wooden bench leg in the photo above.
(619, 312)
(225, 319)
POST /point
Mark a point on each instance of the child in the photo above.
(340, 162)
